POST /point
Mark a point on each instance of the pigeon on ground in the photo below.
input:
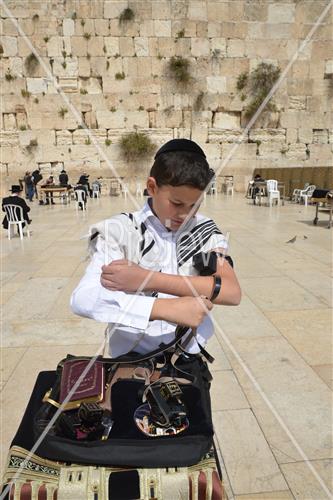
(292, 240)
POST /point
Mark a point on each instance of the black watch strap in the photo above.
(217, 287)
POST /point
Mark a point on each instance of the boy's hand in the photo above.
(185, 311)
(124, 276)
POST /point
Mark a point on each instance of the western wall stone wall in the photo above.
(114, 77)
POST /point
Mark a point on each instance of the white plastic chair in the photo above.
(229, 187)
(95, 191)
(306, 194)
(272, 191)
(124, 190)
(139, 190)
(14, 215)
(80, 197)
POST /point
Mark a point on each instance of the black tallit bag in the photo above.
(126, 444)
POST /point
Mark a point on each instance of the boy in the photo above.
(136, 279)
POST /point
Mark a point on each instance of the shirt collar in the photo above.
(146, 215)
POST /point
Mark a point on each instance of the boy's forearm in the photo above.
(191, 286)
(181, 286)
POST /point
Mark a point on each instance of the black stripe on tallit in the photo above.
(197, 232)
(195, 250)
(148, 248)
(194, 242)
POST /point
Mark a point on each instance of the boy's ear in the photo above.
(151, 186)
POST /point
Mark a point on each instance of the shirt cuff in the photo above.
(134, 310)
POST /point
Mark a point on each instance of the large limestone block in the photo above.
(219, 46)
(270, 150)
(9, 45)
(81, 137)
(173, 118)
(87, 27)
(141, 46)
(147, 28)
(68, 27)
(236, 48)
(96, 46)
(144, 67)
(255, 11)
(71, 69)
(243, 150)
(227, 120)
(217, 11)
(113, 9)
(45, 137)
(320, 136)
(101, 27)
(216, 135)
(162, 28)
(9, 121)
(111, 85)
(138, 119)
(305, 135)
(281, 13)
(36, 85)
(166, 47)
(54, 46)
(109, 119)
(200, 47)
(197, 10)
(296, 151)
(297, 102)
(126, 46)
(161, 10)
(268, 135)
(216, 84)
(214, 30)
(111, 45)
(64, 137)
(320, 151)
(183, 47)
(79, 46)
(8, 28)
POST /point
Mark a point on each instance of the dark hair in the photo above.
(181, 168)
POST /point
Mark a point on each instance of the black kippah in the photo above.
(180, 145)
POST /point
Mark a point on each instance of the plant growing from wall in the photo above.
(9, 76)
(120, 76)
(62, 112)
(46, 39)
(87, 36)
(74, 16)
(136, 145)
(1, 50)
(108, 142)
(179, 69)
(258, 84)
(126, 15)
(31, 146)
(198, 103)
(180, 34)
(83, 91)
(23, 127)
(87, 141)
(31, 64)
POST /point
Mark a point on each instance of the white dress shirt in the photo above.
(141, 238)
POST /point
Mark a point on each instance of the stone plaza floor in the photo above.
(273, 353)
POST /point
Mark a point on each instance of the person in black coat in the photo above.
(15, 199)
(84, 181)
(36, 177)
(63, 178)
